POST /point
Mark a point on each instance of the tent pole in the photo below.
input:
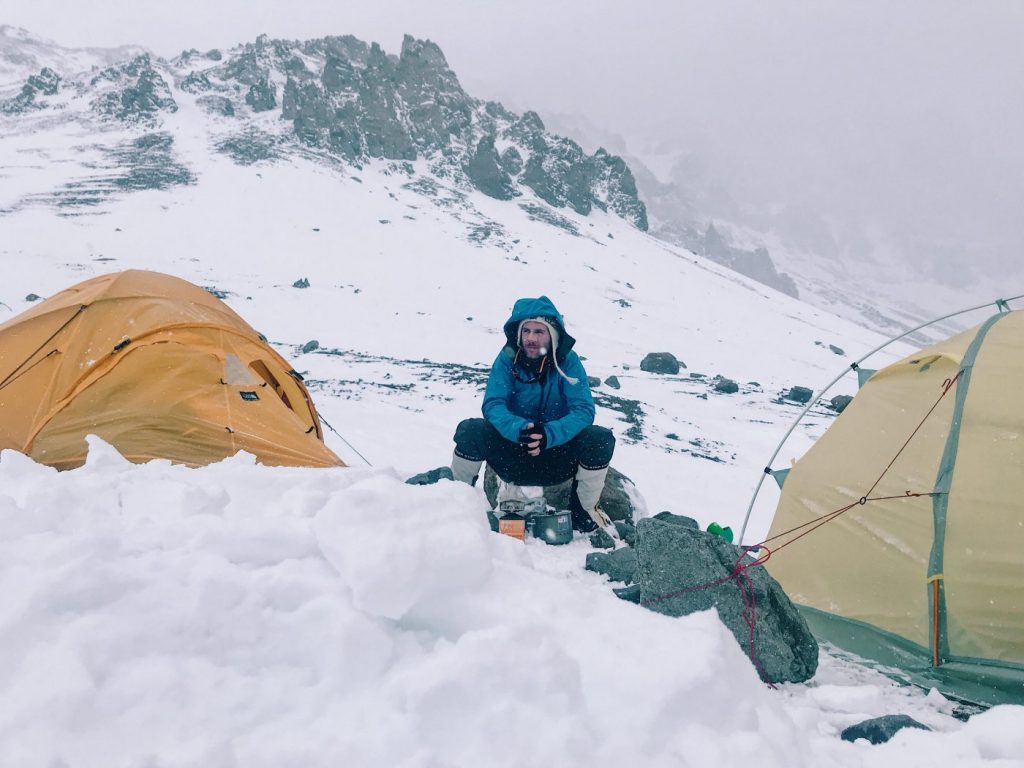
(1000, 304)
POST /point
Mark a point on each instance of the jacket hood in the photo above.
(542, 306)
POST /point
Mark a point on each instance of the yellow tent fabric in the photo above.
(158, 368)
(938, 577)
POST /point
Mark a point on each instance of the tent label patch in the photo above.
(249, 396)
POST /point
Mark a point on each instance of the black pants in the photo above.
(478, 440)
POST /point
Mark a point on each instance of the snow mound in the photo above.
(239, 615)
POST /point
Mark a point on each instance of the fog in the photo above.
(898, 122)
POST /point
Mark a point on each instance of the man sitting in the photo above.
(538, 426)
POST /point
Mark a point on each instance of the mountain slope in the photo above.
(255, 616)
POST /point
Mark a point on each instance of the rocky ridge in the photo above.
(354, 103)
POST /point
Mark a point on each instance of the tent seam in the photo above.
(936, 589)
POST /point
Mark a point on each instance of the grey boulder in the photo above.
(619, 565)
(661, 362)
(799, 394)
(678, 570)
(879, 730)
(839, 402)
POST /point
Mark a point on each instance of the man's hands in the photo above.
(533, 439)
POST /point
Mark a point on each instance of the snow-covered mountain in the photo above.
(337, 98)
(23, 54)
(244, 615)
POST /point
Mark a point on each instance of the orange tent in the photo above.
(157, 367)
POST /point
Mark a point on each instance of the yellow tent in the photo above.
(157, 367)
(932, 584)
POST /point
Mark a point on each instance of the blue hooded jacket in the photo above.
(516, 395)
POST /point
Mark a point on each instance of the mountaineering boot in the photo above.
(465, 470)
(586, 515)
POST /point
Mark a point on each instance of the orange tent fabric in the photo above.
(157, 367)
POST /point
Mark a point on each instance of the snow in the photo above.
(239, 615)
(242, 615)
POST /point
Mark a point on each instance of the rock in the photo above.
(626, 531)
(799, 394)
(262, 96)
(310, 346)
(33, 297)
(757, 263)
(726, 386)
(248, 147)
(619, 565)
(612, 174)
(432, 476)
(557, 170)
(485, 171)
(139, 92)
(630, 594)
(620, 498)
(593, 381)
(511, 161)
(839, 402)
(836, 350)
(661, 362)
(672, 558)
(492, 520)
(46, 83)
(601, 539)
(686, 522)
(301, 283)
(216, 105)
(613, 382)
(196, 82)
(150, 162)
(879, 730)
(362, 104)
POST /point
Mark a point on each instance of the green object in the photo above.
(717, 530)
(551, 529)
(780, 476)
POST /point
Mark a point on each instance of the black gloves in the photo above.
(533, 438)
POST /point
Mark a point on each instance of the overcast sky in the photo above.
(906, 116)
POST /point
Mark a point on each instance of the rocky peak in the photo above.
(353, 100)
(365, 104)
(344, 47)
(714, 245)
(132, 91)
(756, 263)
(424, 51)
(46, 83)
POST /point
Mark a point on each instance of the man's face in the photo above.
(535, 338)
